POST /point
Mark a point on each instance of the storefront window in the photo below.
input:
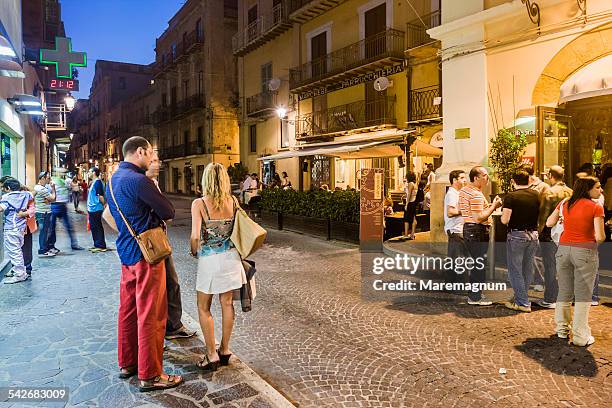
(5, 155)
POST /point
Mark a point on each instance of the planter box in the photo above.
(344, 231)
(313, 226)
(272, 219)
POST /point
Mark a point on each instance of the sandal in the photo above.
(160, 383)
(127, 372)
(206, 365)
(224, 358)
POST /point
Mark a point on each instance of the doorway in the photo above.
(375, 24)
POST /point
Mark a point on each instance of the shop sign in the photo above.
(356, 80)
(371, 209)
(63, 57)
(462, 133)
(528, 160)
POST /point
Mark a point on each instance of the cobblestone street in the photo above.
(311, 335)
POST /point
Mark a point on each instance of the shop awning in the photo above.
(360, 150)
(593, 80)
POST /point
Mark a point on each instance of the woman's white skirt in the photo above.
(220, 273)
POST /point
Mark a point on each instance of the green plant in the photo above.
(505, 156)
(337, 206)
(237, 172)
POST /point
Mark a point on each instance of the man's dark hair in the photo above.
(253, 174)
(96, 171)
(455, 175)
(411, 177)
(133, 143)
(586, 168)
(12, 184)
(527, 168)
(42, 174)
(475, 172)
(3, 179)
(521, 178)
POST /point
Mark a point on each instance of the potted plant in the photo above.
(505, 155)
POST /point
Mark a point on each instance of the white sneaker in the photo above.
(595, 303)
(481, 302)
(547, 305)
(562, 335)
(15, 279)
(538, 288)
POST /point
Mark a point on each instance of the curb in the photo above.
(253, 379)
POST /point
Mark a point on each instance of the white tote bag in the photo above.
(557, 230)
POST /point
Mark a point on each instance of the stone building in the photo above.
(196, 92)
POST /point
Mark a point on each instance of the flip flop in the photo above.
(127, 372)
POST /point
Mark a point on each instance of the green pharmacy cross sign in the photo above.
(63, 57)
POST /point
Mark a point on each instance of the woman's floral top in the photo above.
(215, 235)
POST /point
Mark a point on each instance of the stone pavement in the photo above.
(59, 330)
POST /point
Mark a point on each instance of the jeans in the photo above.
(97, 229)
(576, 269)
(522, 247)
(26, 250)
(59, 210)
(44, 221)
(76, 198)
(548, 249)
(173, 293)
(476, 237)
(456, 249)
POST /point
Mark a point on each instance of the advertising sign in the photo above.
(371, 209)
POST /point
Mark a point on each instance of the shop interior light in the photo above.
(26, 104)
(6, 50)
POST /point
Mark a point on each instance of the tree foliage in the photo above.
(505, 156)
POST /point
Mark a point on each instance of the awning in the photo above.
(360, 150)
(593, 80)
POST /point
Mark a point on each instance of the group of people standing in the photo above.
(551, 228)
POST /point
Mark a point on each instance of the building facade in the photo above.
(546, 75)
(326, 87)
(196, 93)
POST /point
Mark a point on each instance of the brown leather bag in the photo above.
(153, 243)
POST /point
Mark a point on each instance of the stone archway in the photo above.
(581, 51)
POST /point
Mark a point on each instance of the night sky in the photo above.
(118, 30)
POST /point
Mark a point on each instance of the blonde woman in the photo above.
(220, 269)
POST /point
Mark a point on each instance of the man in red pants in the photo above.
(142, 301)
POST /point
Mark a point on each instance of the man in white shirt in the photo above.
(453, 221)
(246, 185)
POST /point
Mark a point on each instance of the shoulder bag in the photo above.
(247, 235)
(153, 243)
(557, 229)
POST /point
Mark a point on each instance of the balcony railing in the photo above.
(189, 149)
(189, 104)
(302, 11)
(176, 111)
(341, 118)
(259, 104)
(422, 104)
(386, 44)
(263, 29)
(416, 29)
(190, 43)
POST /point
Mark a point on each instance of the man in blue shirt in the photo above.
(142, 298)
(95, 207)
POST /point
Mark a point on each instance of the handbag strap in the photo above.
(110, 185)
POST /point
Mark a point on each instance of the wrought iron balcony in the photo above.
(301, 11)
(341, 118)
(417, 29)
(189, 105)
(370, 53)
(259, 104)
(190, 43)
(171, 152)
(421, 104)
(263, 29)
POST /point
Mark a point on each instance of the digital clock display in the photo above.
(64, 84)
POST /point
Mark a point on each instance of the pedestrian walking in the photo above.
(95, 208)
(44, 195)
(75, 188)
(175, 329)
(220, 269)
(14, 205)
(558, 192)
(142, 296)
(453, 223)
(59, 210)
(577, 258)
(476, 212)
(520, 213)
(410, 206)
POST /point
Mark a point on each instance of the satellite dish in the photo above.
(382, 83)
(274, 84)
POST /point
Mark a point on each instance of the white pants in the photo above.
(13, 241)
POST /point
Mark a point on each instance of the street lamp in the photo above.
(281, 112)
(70, 102)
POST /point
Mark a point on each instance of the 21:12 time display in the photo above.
(64, 84)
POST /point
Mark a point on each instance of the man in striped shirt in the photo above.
(476, 212)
